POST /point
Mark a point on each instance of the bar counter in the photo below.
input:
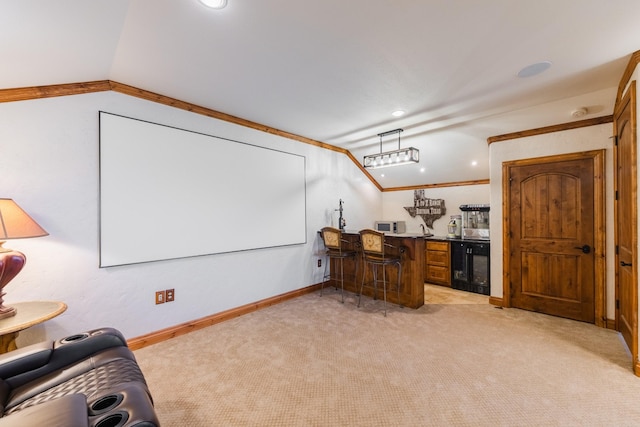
(411, 247)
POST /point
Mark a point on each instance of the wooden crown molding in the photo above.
(634, 60)
(37, 92)
(551, 129)
(441, 185)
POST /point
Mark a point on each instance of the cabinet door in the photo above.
(437, 274)
(480, 269)
(437, 263)
(438, 258)
(438, 246)
(459, 262)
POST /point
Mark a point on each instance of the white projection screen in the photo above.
(170, 193)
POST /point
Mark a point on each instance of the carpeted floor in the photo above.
(312, 361)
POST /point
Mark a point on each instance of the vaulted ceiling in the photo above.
(335, 70)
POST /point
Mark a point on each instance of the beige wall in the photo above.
(49, 165)
(394, 203)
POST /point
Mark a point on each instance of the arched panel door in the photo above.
(552, 230)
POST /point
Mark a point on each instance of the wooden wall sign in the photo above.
(428, 209)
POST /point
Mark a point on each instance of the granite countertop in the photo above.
(426, 237)
(405, 235)
(439, 238)
(456, 239)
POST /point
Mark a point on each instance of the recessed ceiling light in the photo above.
(422, 169)
(398, 113)
(214, 4)
(534, 69)
(474, 163)
(382, 175)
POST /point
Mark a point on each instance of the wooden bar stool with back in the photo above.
(337, 249)
(375, 253)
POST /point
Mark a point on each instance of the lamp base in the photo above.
(11, 262)
(7, 312)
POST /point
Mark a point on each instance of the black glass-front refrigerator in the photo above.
(470, 267)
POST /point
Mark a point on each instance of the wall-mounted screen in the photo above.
(171, 193)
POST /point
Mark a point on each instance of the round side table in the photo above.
(28, 314)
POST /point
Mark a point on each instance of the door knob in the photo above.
(625, 264)
(584, 248)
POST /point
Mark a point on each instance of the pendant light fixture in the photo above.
(401, 156)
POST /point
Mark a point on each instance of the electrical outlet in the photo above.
(319, 262)
(170, 295)
(161, 296)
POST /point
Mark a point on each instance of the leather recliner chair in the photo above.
(88, 379)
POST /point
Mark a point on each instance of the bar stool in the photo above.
(375, 255)
(335, 249)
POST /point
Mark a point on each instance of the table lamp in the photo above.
(14, 224)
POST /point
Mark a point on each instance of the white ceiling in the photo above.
(334, 70)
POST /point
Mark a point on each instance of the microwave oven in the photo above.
(391, 226)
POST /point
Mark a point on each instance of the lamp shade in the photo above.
(16, 223)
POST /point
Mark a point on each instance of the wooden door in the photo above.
(552, 236)
(626, 222)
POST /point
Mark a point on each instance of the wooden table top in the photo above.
(30, 313)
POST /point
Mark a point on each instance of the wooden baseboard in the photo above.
(496, 301)
(194, 325)
(610, 324)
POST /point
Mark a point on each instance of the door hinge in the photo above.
(616, 195)
(617, 304)
(617, 250)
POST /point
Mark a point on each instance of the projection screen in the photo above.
(171, 193)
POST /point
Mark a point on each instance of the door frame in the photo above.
(599, 209)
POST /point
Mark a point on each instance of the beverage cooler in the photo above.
(470, 267)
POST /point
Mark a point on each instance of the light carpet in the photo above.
(313, 361)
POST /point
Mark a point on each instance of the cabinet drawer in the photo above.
(438, 258)
(438, 274)
(437, 246)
